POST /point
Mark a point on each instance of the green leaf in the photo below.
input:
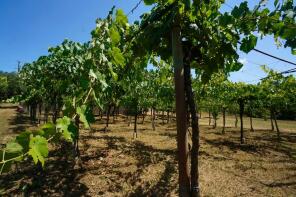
(150, 2)
(100, 77)
(121, 18)
(114, 35)
(38, 149)
(235, 12)
(85, 115)
(68, 108)
(73, 131)
(81, 112)
(236, 66)
(289, 33)
(114, 75)
(4, 167)
(248, 43)
(294, 51)
(98, 102)
(49, 130)
(84, 82)
(225, 19)
(102, 80)
(92, 74)
(13, 147)
(63, 125)
(12, 151)
(118, 57)
(67, 135)
(23, 139)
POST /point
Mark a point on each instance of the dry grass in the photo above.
(113, 164)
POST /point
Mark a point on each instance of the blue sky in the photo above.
(251, 72)
(29, 27)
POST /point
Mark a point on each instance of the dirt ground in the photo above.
(114, 164)
(11, 122)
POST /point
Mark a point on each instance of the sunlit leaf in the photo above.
(38, 149)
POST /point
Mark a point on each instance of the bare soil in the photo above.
(115, 164)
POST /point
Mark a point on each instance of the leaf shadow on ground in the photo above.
(145, 155)
(285, 145)
(19, 123)
(58, 178)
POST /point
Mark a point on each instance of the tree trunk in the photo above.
(129, 120)
(215, 122)
(251, 122)
(223, 129)
(33, 113)
(236, 121)
(108, 115)
(46, 110)
(117, 112)
(76, 145)
(209, 117)
(76, 141)
(55, 113)
(126, 116)
(40, 112)
(151, 112)
(276, 126)
(168, 116)
(162, 116)
(113, 114)
(153, 119)
(144, 115)
(182, 141)
(195, 133)
(272, 126)
(135, 135)
(30, 113)
(241, 112)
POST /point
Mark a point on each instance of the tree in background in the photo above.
(13, 85)
(277, 92)
(3, 87)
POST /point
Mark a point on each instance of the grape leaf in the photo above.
(118, 57)
(85, 115)
(63, 125)
(38, 149)
(121, 18)
(4, 167)
(49, 130)
(149, 2)
(23, 139)
(115, 36)
(248, 43)
(13, 147)
(236, 66)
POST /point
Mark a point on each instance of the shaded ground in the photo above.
(113, 164)
(11, 122)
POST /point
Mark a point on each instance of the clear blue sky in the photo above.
(29, 27)
(251, 72)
